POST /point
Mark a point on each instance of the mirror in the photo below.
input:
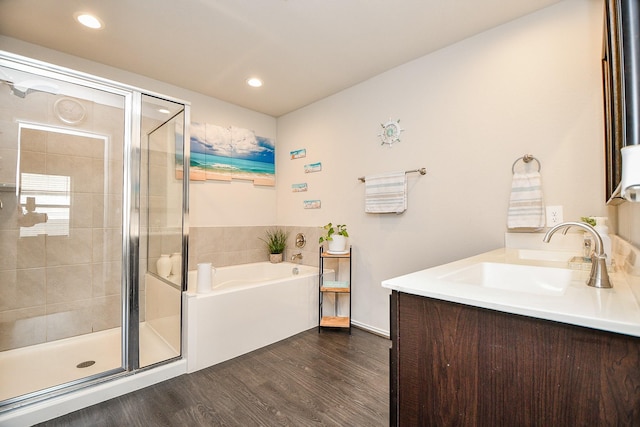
(620, 75)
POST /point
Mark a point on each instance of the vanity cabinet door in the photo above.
(468, 366)
(437, 364)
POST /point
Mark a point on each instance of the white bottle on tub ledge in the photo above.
(603, 231)
(163, 265)
(176, 263)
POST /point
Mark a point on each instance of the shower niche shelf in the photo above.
(335, 317)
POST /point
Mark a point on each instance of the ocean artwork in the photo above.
(312, 204)
(296, 188)
(313, 167)
(179, 150)
(223, 154)
(298, 154)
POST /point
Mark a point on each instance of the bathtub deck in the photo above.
(331, 379)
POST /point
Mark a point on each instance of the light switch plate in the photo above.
(554, 215)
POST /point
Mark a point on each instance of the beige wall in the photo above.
(629, 222)
(469, 110)
(211, 203)
(31, 310)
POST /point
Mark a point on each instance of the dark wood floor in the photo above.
(311, 379)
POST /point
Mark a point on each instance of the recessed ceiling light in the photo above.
(163, 111)
(89, 20)
(254, 82)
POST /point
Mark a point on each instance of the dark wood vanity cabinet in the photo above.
(458, 365)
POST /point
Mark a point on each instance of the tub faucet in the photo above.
(296, 256)
(598, 278)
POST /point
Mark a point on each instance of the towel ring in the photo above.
(526, 158)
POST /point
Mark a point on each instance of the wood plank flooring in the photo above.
(311, 379)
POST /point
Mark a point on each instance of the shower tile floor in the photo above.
(41, 366)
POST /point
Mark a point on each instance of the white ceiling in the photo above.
(304, 50)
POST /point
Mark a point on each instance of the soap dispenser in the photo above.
(603, 231)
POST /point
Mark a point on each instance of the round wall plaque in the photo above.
(390, 132)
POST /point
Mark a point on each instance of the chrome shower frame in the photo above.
(130, 220)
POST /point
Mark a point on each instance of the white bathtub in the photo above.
(250, 306)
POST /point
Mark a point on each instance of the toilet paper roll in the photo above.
(205, 278)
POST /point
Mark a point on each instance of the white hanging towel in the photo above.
(526, 206)
(386, 193)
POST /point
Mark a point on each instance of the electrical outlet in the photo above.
(554, 215)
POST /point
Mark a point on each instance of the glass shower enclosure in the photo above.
(92, 203)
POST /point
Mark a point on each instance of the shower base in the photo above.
(41, 366)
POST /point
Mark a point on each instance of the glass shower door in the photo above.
(61, 231)
(162, 198)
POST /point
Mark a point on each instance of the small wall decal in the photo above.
(313, 167)
(298, 154)
(297, 188)
(312, 204)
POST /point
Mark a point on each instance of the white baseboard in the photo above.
(372, 329)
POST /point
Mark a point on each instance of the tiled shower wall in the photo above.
(223, 246)
(54, 287)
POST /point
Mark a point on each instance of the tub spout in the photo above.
(296, 256)
(598, 278)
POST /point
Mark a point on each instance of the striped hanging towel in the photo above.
(526, 207)
(386, 193)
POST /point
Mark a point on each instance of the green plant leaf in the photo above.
(340, 229)
(589, 220)
(276, 241)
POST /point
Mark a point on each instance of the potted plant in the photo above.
(276, 243)
(336, 237)
(589, 220)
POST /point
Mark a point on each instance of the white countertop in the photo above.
(614, 310)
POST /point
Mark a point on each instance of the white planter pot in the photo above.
(338, 243)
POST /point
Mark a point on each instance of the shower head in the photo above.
(25, 87)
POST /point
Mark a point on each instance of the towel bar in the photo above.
(423, 171)
(526, 158)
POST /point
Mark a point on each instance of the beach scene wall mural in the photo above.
(226, 153)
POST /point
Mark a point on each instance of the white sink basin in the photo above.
(513, 277)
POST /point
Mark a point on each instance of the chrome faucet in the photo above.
(598, 278)
(296, 256)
